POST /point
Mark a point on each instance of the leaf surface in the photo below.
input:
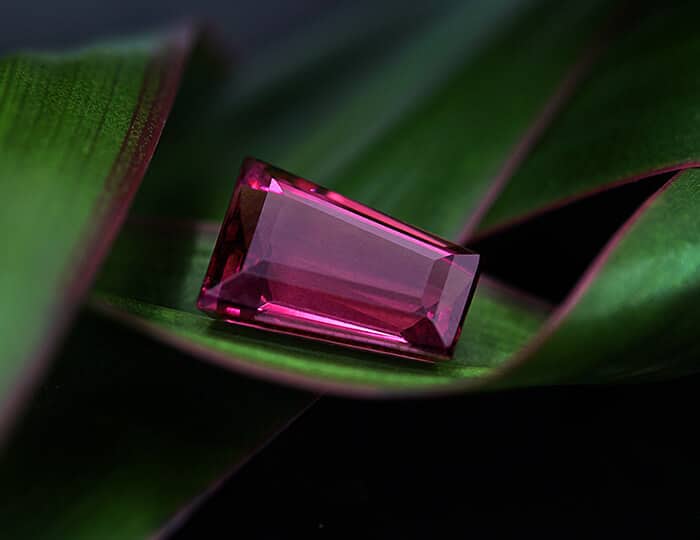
(76, 133)
(590, 133)
(124, 433)
(156, 291)
(633, 315)
(465, 123)
(632, 118)
(380, 119)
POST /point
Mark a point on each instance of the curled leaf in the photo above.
(77, 132)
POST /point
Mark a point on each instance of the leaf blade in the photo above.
(202, 193)
(151, 291)
(644, 281)
(630, 120)
(118, 438)
(75, 132)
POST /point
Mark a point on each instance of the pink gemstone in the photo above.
(293, 257)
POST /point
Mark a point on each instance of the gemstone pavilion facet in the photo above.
(293, 257)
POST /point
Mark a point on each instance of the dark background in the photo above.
(247, 24)
(574, 461)
(571, 462)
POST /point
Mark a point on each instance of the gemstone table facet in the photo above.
(296, 258)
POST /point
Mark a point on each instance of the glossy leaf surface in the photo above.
(434, 188)
(122, 435)
(76, 134)
(591, 129)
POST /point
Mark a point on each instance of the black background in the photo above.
(574, 461)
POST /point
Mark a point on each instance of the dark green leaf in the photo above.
(632, 118)
(76, 132)
(419, 130)
(123, 434)
(379, 129)
(634, 314)
(156, 270)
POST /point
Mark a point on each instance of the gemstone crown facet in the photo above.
(296, 258)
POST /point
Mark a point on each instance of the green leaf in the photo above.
(419, 130)
(76, 133)
(631, 316)
(312, 120)
(356, 120)
(123, 433)
(428, 158)
(634, 315)
(588, 146)
(156, 269)
(632, 118)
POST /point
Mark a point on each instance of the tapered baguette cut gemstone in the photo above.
(294, 257)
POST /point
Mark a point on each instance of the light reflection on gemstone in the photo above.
(291, 314)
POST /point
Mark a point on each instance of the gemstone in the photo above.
(296, 258)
